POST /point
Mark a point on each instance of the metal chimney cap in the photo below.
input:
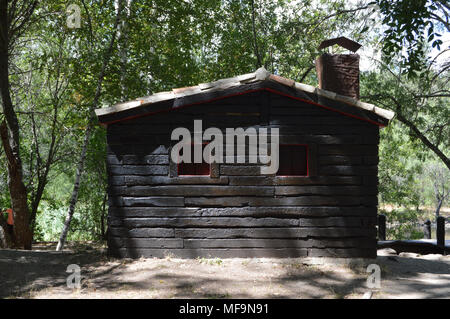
(341, 41)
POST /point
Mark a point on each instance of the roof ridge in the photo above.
(260, 75)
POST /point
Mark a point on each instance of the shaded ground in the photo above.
(42, 274)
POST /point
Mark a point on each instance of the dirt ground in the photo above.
(42, 274)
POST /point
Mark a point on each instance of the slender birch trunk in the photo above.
(122, 43)
(89, 129)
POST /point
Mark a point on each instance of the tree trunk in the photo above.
(6, 240)
(255, 38)
(103, 217)
(438, 208)
(424, 139)
(76, 188)
(9, 128)
(22, 232)
(122, 43)
(90, 127)
(43, 177)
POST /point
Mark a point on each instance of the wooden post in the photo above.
(427, 229)
(440, 231)
(381, 227)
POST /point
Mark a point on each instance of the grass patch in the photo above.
(210, 261)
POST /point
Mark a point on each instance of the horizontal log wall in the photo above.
(238, 212)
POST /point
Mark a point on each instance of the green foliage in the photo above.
(92, 205)
(399, 168)
(400, 186)
(410, 28)
(423, 100)
(402, 224)
(403, 184)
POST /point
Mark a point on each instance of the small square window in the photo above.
(200, 169)
(293, 160)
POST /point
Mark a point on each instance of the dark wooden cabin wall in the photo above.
(241, 214)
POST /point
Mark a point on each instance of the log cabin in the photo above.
(321, 202)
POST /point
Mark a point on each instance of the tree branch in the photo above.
(255, 41)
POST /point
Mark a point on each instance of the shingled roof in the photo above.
(261, 79)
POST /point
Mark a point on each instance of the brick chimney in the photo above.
(339, 73)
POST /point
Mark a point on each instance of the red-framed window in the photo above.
(194, 169)
(293, 160)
